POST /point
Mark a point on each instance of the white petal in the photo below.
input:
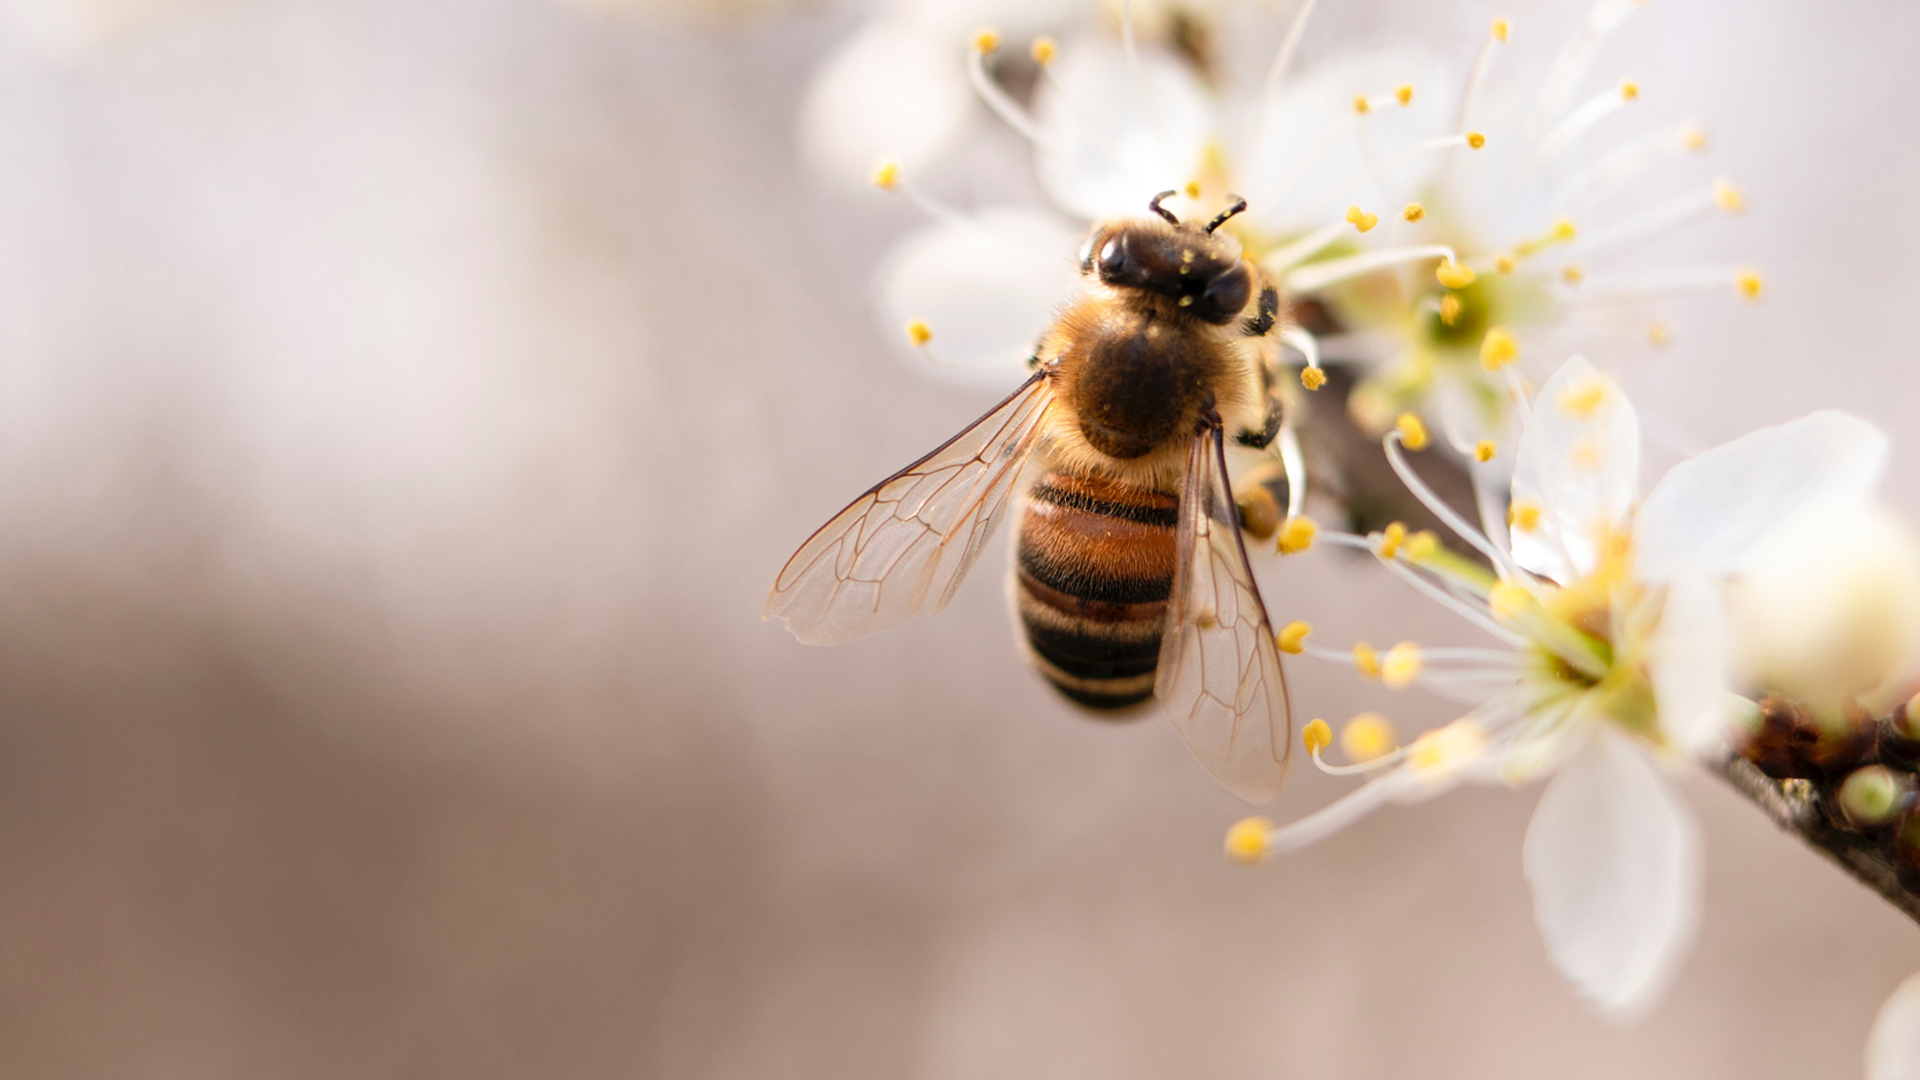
(1893, 1046)
(1113, 147)
(1614, 862)
(894, 90)
(987, 287)
(1579, 462)
(1014, 19)
(1687, 660)
(1709, 511)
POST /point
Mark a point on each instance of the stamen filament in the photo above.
(1375, 171)
(1339, 813)
(1305, 343)
(1470, 612)
(1478, 76)
(1140, 81)
(1615, 170)
(1439, 507)
(1275, 72)
(1391, 757)
(1656, 224)
(1292, 255)
(1001, 104)
(1295, 463)
(1570, 67)
(933, 207)
(1592, 111)
(1320, 275)
(1681, 279)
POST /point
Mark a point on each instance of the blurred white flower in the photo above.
(1616, 655)
(70, 27)
(1893, 1046)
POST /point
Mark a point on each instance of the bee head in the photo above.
(1202, 272)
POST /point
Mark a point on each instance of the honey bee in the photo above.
(1130, 575)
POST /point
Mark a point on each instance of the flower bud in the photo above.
(1873, 796)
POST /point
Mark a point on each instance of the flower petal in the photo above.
(1111, 147)
(986, 287)
(1579, 463)
(1893, 1046)
(1687, 660)
(1614, 862)
(894, 90)
(1710, 511)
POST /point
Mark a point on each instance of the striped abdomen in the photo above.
(1092, 569)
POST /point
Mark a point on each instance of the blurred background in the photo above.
(404, 406)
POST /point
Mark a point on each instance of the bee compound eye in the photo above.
(1117, 264)
(1226, 295)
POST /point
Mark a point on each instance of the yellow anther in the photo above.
(1657, 335)
(1503, 263)
(1498, 348)
(1296, 535)
(919, 332)
(1391, 538)
(1401, 665)
(1629, 90)
(1361, 105)
(1413, 211)
(1563, 230)
(1317, 736)
(1412, 429)
(1403, 93)
(1449, 308)
(1572, 274)
(1475, 140)
(1444, 750)
(1365, 660)
(1749, 284)
(1581, 401)
(1368, 736)
(1453, 275)
(886, 175)
(1193, 189)
(1484, 450)
(1727, 196)
(1312, 378)
(1694, 138)
(1292, 637)
(1247, 840)
(1360, 219)
(1507, 600)
(1523, 515)
(985, 40)
(1501, 28)
(1043, 51)
(1422, 546)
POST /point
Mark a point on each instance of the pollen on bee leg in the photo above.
(1292, 637)
(1297, 535)
(1484, 450)
(1368, 736)
(1401, 665)
(1366, 660)
(1259, 512)
(1749, 284)
(1247, 840)
(1360, 219)
(919, 332)
(1412, 429)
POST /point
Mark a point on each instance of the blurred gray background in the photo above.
(404, 405)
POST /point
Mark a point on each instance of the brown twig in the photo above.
(1794, 805)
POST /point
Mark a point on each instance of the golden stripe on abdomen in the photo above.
(1093, 568)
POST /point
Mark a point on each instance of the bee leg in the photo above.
(1260, 440)
(1262, 322)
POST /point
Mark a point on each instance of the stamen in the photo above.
(1391, 538)
(1305, 248)
(1571, 65)
(1413, 212)
(1365, 660)
(1316, 736)
(1294, 462)
(1412, 430)
(1498, 348)
(1043, 51)
(1465, 610)
(1361, 220)
(1140, 79)
(1477, 76)
(1422, 546)
(1453, 275)
(1449, 749)
(1450, 309)
(1441, 510)
(1247, 840)
(1339, 814)
(1276, 71)
(1561, 231)
(1403, 94)
(1312, 378)
(1590, 112)
(1375, 170)
(888, 177)
(996, 99)
(1722, 196)
(1309, 348)
(1367, 737)
(1484, 450)
(1749, 284)
(1572, 274)
(1401, 666)
(1683, 279)
(1320, 275)
(919, 332)
(1296, 535)
(1292, 637)
(1616, 169)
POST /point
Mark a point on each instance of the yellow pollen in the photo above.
(1413, 211)
(1391, 538)
(886, 175)
(1292, 637)
(919, 332)
(1694, 138)
(1484, 450)
(1365, 660)
(1572, 274)
(1507, 600)
(1453, 275)
(1447, 748)
(1475, 140)
(1422, 546)
(1581, 401)
(1403, 94)
(1523, 515)
(1413, 430)
(1043, 51)
(1316, 735)
(1312, 378)
(985, 40)
(1501, 28)
(1727, 196)
(1563, 230)
(1498, 348)
(1657, 334)
(1193, 189)
(1361, 105)
(1503, 263)
(1629, 90)
(1367, 736)
(1360, 219)
(1449, 309)
(1748, 282)
(1401, 665)
(1247, 840)
(1296, 535)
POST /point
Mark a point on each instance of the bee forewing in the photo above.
(1219, 673)
(902, 548)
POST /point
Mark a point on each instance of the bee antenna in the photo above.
(1163, 211)
(1239, 204)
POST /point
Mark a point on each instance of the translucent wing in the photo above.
(902, 548)
(1219, 676)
